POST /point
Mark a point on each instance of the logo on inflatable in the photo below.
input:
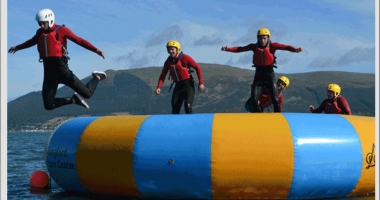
(370, 158)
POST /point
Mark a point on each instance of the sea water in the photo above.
(26, 154)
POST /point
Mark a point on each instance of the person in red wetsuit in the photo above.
(264, 61)
(334, 104)
(178, 65)
(51, 41)
(265, 99)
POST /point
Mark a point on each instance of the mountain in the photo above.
(132, 92)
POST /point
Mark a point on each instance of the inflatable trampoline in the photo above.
(215, 156)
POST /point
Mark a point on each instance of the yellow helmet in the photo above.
(285, 80)
(174, 43)
(263, 31)
(334, 88)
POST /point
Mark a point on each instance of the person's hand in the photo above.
(100, 53)
(201, 87)
(158, 91)
(311, 108)
(224, 48)
(12, 49)
(299, 49)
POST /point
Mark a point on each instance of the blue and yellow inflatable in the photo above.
(216, 156)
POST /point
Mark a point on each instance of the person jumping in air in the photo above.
(265, 99)
(51, 40)
(334, 104)
(264, 61)
(179, 65)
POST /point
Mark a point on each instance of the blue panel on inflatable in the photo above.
(329, 158)
(159, 148)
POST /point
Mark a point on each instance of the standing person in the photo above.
(51, 40)
(179, 65)
(265, 99)
(334, 104)
(264, 61)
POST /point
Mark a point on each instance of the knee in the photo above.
(49, 106)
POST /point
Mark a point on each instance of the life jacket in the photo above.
(333, 107)
(49, 44)
(175, 70)
(265, 98)
(262, 57)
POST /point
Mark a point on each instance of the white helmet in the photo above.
(45, 15)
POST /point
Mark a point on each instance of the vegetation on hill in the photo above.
(131, 92)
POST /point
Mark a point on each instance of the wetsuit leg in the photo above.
(69, 79)
(177, 100)
(49, 89)
(255, 95)
(189, 99)
(272, 89)
(50, 85)
(77, 85)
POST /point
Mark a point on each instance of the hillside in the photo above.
(131, 92)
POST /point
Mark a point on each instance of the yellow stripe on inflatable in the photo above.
(104, 164)
(363, 126)
(251, 156)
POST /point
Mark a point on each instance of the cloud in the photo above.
(170, 33)
(277, 29)
(132, 60)
(209, 40)
(355, 55)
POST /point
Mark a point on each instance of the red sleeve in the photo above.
(343, 104)
(275, 45)
(191, 63)
(67, 33)
(250, 47)
(321, 108)
(31, 42)
(164, 71)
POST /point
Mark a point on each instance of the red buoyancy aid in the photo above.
(263, 56)
(178, 69)
(49, 44)
(333, 107)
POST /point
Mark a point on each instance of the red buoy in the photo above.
(39, 179)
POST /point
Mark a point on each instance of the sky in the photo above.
(336, 35)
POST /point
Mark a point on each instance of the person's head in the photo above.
(283, 82)
(45, 18)
(173, 47)
(263, 36)
(333, 90)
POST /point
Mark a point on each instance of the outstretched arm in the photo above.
(276, 45)
(66, 32)
(299, 49)
(250, 47)
(31, 42)
(100, 53)
(13, 49)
